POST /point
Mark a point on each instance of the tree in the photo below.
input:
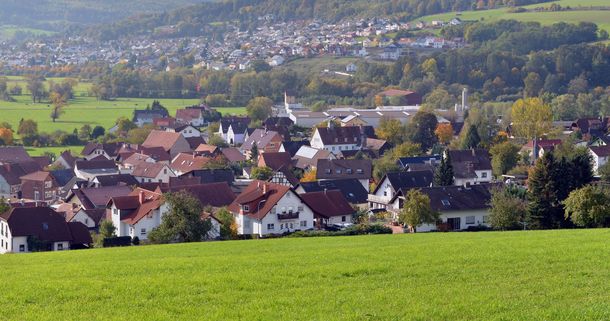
(139, 135)
(6, 136)
(124, 125)
(228, 226)
(444, 133)
(259, 108)
(443, 176)
(36, 88)
(254, 152)
(531, 118)
(4, 206)
(533, 85)
(106, 230)
(604, 172)
(542, 196)
(421, 129)
(28, 131)
(309, 176)
(390, 130)
(505, 157)
(261, 173)
(439, 98)
(183, 222)
(217, 141)
(508, 210)
(84, 133)
(472, 138)
(406, 149)
(97, 132)
(417, 210)
(588, 206)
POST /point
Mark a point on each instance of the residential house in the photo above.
(172, 143)
(336, 139)
(21, 225)
(233, 155)
(460, 207)
(90, 218)
(91, 198)
(190, 116)
(599, 155)
(360, 169)
(541, 146)
(13, 154)
(187, 131)
(206, 150)
(88, 170)
(265, 208)
(406, 97)
(471, 166)
(152, 172)
(136, 214)
(266, 141)
(351, 189)
(418, 163)
(218, 194)
(39, 186)
(10, 173)
(147, 116)
(281, 165)
(394, 182)
(113, 180)
(377, 146)
(185, 163)
(65, 160)
(94, 150)
(232, 129)
(307, 157)
(329, 208)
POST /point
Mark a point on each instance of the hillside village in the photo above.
(297, 171)
(273, 42)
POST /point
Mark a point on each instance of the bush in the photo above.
(117, 241)
(358, 229)
(135, 240)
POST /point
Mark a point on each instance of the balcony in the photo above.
(379, 199)
(288, 216)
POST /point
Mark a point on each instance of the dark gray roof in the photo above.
(344, 168)
(353, 191)
(457, 198)
(62, 176)
(466, 162)
(409, 180)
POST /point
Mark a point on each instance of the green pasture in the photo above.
(532, 275)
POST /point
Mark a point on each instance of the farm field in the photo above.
(601, 18)
(39, 151)
(532, 275)
(319, 64)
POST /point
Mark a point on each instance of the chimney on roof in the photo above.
(324, 190)
(141, 197)
(264, 188)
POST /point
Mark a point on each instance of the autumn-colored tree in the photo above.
(309, 176)
(391, 130)
(444, 132)
(378, 100)
(6, 136)
(531, 118)
(417, 210)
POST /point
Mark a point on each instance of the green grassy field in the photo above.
(319, 64)
(542, 275)
(9, 31)
(601, 18)
(38, 151)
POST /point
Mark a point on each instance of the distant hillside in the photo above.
(55, 15)
(194, 19)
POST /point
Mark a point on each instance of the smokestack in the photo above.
(141, 197)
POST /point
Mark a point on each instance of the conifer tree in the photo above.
(443, 176)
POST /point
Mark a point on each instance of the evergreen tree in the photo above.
(443, 176)
(543, 202)
(472, 138)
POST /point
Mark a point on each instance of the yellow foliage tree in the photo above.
(309, 176)
(444, 132)
(6, 135)
(531, 118)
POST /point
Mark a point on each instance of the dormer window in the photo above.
(445, 202)
(348, 171)
(246, 208)
(338, 171)
(328, 171)
(359, 171)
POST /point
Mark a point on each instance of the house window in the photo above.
(270, 226)
(115, 211)
(343, 218)
(484, 175)
(328, 171)
(36, 195)
(338, 171)
(21, 247)
(445, 202)
(303, 223)
(359, 171)
(469, 219)
(48, 184)
(485, 218)
(300, 208)
(348, 171)
(273, 211)
(143, 231)
(165, 171)
(281, 226)
(60, 246)
(291, 225)
(246, 208)
(385, 193)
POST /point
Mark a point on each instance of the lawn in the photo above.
(39, 151)
(318, 64)
(88, 110)
(542, 275)
(601, 18)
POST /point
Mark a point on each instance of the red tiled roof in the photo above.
(148, 170)
(158, 138)
(261, 197)
(186, 163)
(396, 92)
(328, 203)
(233, 154)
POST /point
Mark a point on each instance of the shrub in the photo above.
(135, 240)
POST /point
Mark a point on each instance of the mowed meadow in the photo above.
(531, 275)
(84, 109)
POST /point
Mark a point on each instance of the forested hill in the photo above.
(193, 19)
(54, 15)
